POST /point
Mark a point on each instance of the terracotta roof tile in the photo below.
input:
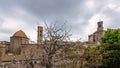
(20, 33)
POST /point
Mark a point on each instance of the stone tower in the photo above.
(100, 26)
(97, 35)
(39, 35)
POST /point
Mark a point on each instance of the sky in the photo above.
(81, 15)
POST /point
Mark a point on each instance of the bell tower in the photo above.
(100, 26)
(39, 35)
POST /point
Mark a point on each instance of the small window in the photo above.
(100, 25)
(40, 34)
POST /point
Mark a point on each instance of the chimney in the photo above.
(39, 34)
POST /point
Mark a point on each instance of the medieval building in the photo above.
(19, 47)
(97, 35)
(16, 41)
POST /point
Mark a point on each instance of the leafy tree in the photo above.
(111, 49)
(111, 36)
(111, 55)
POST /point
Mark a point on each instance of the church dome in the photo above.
(20, 33)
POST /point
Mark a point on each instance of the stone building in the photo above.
(17, 40)
(97, 35)
(19, 47)
(20, 38)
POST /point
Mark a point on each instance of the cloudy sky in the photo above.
(81, 15)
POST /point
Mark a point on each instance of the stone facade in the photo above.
(20, 48)
(39, 35)
(96, 36)
(16, 41)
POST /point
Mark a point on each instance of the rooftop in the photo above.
(20, 33)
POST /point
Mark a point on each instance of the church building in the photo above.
(97, 35)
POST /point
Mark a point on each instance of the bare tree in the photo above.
(55, 41)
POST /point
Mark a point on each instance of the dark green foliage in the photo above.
(111, 49)
(111, 56)
(111, 36)
(107, 55)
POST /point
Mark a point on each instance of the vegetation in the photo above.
(111, 56)
(93, 57)
(107, 54)
(111, 36)
(111, 49)
(75, 56)
(55, 41)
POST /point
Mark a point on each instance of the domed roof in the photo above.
(20, 33)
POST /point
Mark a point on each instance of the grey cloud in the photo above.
(61, 10)
(5, 31)
(47, 7)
